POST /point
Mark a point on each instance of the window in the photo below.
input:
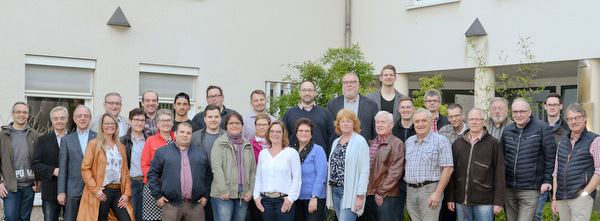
(53, 81)
(412, 4)
(275, 89)
(168, 81)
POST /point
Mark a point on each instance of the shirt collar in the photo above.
(85, 132)
(353, 102)
(302, 107)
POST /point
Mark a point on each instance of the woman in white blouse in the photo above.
(278, 176)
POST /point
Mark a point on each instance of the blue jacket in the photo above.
(575, 166)
(314, 174)
(164, 175)
(528, 155)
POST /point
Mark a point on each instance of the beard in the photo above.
(498, 118)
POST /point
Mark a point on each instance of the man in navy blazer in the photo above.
(364, 108)
(72, 147)
(45, 162)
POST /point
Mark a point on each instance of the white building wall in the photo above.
(237, 44)
(433, 38)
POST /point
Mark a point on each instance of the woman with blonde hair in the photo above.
(348, 166)
(106, 176)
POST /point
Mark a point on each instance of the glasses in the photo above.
(214, 96)
(349, 82)
(303, 131)
(307, 90)
(165, 121)
(475, 119)
(137, 121)
(432, 101)
(574, 119)
(113, 103)
(276, 131)
(83, 116)
(234, 123)
(110, 124)
(553, 105)
(519, 112)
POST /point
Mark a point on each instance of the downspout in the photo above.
(348, 42)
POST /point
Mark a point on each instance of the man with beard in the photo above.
(498, 117)
(182, 106)
(324, 132)
(364, 108)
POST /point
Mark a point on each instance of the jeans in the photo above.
(111, 203)
(136, 199)
(386, 212)
(401, 199)
(51, 210)
(72, 207)
(540, 206)
(18, 205)
(273, 209)
(302, 213)
(475, 212)
(231, 209)
(345, 214)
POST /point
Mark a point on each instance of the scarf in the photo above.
(237, 141)
(305, 151)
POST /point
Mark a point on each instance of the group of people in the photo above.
(362, 156)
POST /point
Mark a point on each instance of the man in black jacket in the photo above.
(45, 162)
(432, 101)
(176, 163)
(529, 152)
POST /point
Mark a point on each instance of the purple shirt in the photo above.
(186, 174)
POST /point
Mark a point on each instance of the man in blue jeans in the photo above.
(18, 183)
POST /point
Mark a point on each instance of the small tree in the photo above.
(326, 72)
(425, 84)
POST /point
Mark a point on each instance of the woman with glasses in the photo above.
(234, 168)
(348, 175)
(278, 176)
(134, 142)
(106, 176)
(311, 202)
(164, 120)
(259, 143)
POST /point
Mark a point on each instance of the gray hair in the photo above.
(59, 108)
(577, 108)
(524, 101)
(389, 116)
(498, 99)
(432, 92)
(17, 103)
(423, 110)
(352, 74)
(164, 112)
(113, 94)
(82, 106)
(477, 109)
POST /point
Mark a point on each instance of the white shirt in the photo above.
(281, 173)
(114, 162)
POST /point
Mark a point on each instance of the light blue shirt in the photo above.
(352, 105)
(83, 139)
(136, 156)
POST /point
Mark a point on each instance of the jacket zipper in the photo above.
(565, 173)
(467, 181)
(516, 158)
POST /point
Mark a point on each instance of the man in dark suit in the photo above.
(433, 100)
(45, 162)
(364, 108)
(72, 147)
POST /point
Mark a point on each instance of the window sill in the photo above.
(430, 3)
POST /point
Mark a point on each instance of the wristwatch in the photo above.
(361, 197)
(314, 197)
(584, 193)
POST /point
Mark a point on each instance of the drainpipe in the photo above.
(348, 42)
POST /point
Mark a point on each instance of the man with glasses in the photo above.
(529, 158)
(364, 108)
(560, 129)
(577, 171)
(182, 106)
(45, 162)
(112, 105)
(324, 132)
(214, 95)
(70, 184)
(476, 188)
(150, 104)
(498, 117)
(18, 183)
(433, 100)
(452, 131)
